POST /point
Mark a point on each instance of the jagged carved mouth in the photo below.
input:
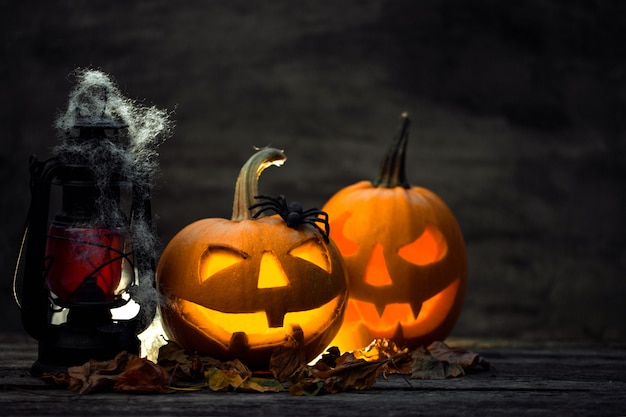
(222, 326)
(410, 316)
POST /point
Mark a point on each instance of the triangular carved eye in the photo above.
(312, 251)
(376, 273)
(430, 247)
(271, 273)
(217, 258)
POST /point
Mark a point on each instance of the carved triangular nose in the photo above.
(271, 274)
(376, 273)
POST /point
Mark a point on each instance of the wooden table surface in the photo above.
(524, 380)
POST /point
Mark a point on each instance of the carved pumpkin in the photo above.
(240, 288)
(405, 256)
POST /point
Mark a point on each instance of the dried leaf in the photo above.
(183, 366)
(141, 376)
(355, 375)
(458, 356)
(329, 359)
(255, 384)
(230, 379)
(379, 349)
(424, 366)
(306, 382)
(333, 373)
(124, 373)
(307, 387)
(350, 374)
(221, 380)
(237, 366)
(289, 357)
(58, 378)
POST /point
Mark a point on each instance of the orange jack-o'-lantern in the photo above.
(405, 256)
(239, 288)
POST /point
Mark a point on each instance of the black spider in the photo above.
(292, 213)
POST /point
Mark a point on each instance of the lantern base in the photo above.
(63, 347)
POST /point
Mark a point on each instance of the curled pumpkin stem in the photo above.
(247, 185)
(292, 213)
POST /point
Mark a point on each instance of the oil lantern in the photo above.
(81, 259)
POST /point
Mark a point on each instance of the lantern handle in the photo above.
(34, 302)
(18, 262)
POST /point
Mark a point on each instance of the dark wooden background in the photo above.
(518, 124)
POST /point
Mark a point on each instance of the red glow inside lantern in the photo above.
(85, 264)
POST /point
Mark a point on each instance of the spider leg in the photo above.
(279, 202)
(268, 200)
(262, 204)
(315, 213)
(268, 208)
(311, 211)
(282, 201)
(266, 197)
(313, 222)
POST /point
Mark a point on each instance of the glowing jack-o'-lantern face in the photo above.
(239, 289)
(406, 262)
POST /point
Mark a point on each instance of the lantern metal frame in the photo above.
(90, 332)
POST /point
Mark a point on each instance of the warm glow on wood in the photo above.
(271, 274)
(311, 251)
(376, 273)
(217, 258)
(428, 248)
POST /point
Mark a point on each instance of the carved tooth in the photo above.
(238, 342)
(275, 317)
(416, 307)
(380, 309)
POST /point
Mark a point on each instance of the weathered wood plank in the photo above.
(529, 381)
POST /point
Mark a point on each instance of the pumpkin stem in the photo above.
(247, 185)
(392, 171)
